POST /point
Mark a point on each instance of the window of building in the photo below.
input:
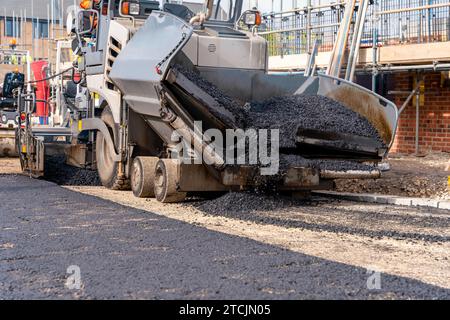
(40, 29)
(12, 28)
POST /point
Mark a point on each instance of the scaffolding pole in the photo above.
(308, 28)
(417, 120)
(340, 45)
(356, 39)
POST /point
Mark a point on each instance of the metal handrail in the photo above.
(427, 7)
(289, 32)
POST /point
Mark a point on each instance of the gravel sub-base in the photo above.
(321, 216)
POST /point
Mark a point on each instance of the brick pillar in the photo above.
(434, 129)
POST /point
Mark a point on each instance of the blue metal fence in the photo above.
(393, 21)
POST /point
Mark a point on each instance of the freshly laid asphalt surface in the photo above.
(125, 253)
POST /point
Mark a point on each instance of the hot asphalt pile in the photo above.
(225, 102)
(287, 160)
(307, 112)
(57, 171)
(234, 204)
(288, 114)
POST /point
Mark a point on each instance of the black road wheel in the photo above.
(142, 176)
(166, 182)
(108, 169)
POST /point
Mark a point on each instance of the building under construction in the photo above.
(404, 54)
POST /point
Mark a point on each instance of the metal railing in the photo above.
(388, 22)
(14, 57)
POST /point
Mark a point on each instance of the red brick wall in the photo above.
(434, 129)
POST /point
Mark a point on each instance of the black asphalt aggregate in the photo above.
(288, 113)
(125, 253)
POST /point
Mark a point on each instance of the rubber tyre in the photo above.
(166, 182)
(108, 169)
(142, 176)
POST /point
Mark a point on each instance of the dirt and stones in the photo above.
(10, 166)
(410, 176)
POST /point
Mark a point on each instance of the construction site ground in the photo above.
(237, 246)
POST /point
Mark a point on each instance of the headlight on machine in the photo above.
(252, 18)
(4, 118)
(130, 8)
(134, 9)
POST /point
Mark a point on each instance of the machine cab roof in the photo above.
(224, 12)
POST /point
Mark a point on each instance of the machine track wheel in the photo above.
(108, 169)
(166, 181)
(142, 176)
